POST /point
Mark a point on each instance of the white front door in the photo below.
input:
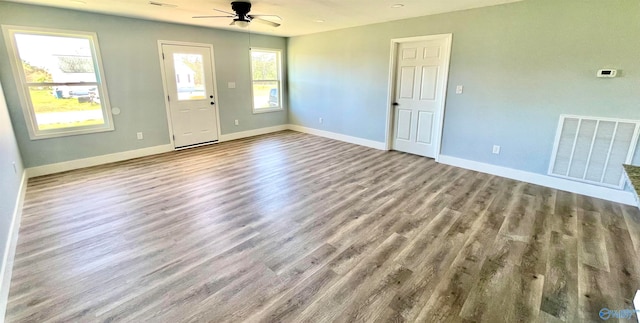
(189, 83)
(420, 77)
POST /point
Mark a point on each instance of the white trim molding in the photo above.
(131, 154)
(601, 192)
(252, 133)
(337, 136)
(605, 193)
(10, 247)
(97, 160)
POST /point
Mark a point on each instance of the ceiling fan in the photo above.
(241, 17)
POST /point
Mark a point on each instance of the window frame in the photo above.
(9, 32)
(278, 53)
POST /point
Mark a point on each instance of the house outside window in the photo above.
(60, 81)
(266, 75)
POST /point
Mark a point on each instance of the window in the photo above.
(59, 77)
(266, 73)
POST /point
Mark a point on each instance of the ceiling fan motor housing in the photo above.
(242, 9)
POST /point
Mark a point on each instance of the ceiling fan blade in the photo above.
(227, 12)
(266, 22)
(213, 17)
(267, 16)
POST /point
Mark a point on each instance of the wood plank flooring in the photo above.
(290, 227)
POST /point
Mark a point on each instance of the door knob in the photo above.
(212, 103)
(211, 96)
(396, 104)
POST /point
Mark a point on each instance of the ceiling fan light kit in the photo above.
(241, 23)
(241, 16)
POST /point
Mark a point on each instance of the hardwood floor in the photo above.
(290, 227)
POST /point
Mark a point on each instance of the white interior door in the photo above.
(420, 77)
(190, 86)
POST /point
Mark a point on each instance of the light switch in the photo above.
(459, 89)
(232, 85)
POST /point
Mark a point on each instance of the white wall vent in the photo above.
(592, 149)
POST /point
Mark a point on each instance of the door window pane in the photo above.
(189, 76)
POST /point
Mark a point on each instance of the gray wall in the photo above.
(132, 70)
(521, 64)
(9, 179)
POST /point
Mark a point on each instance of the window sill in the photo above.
(267, 110)
(45, 135)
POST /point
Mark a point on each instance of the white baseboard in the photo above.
(125, 155)
(538, 179)
(97, 160)
(604, 193)
(251, 133)
(10, 247)
(337, 136)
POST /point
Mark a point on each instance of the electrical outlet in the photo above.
(459, 89)
(319, 120)
(496, 149)
(237, 123)
(140, 136)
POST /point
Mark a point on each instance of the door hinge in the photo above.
(174, 137)
(168, 98)
(162, 55)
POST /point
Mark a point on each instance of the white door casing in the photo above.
(419, 77)
(190, 93)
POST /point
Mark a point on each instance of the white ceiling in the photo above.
(299, 17)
